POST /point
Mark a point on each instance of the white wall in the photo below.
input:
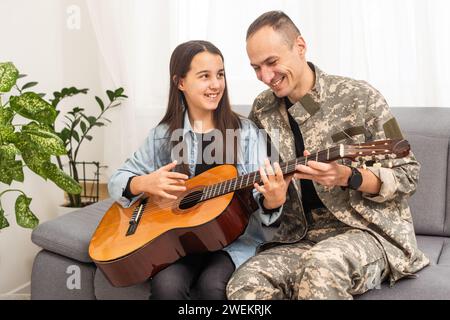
(36, 38)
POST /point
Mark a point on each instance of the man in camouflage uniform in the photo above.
(349, 240)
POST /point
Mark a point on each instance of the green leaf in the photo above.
(29, 85)
(91, 120)
(77, 110)
(42, 95)
(64, 135)
(44, 138)
(111, 95)
(83, 126)
(75, 123)
(32, 156)
(8, 76)
(7, 133)
(6, 116)
(99, 124)
(118, 92)
(22, 76)
(62, 180)
(66, 92)
(25, 218)
(100, 103)
(10, 169)
(31, 106)
(8, 151)
(3, 222)
(76, 136)
(88, 137)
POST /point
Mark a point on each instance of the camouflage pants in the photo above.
(333, 263)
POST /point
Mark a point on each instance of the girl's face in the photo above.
(204, 84)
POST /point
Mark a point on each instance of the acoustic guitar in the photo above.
(130, 245)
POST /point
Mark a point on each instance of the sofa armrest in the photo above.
(69, 235)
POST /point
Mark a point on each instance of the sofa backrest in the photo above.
(428, 132)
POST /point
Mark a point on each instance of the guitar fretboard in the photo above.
(248, 180)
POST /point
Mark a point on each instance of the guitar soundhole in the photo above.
(191, 200)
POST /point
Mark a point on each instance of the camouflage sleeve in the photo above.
(252, 117)
(401, 178)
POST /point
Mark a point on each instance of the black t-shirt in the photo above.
(203, 140)
(310, 199)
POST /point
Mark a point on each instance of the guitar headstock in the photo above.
(377, 150)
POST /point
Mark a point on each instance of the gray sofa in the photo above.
(63, 269)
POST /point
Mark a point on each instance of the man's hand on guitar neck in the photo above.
(274, 186)
(161, 183)
(334, 174)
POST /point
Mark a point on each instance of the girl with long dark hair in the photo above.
(198, 112)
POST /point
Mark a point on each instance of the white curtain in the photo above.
(401, 47)
(134, 47)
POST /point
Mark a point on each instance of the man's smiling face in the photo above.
(276, 62)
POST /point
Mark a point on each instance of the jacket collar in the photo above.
(310, 103)
(187, 124)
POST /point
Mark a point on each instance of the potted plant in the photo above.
(77, 129)
(34, 142)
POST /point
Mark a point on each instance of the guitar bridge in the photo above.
(136, 217)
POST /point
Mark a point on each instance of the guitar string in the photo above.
(169, 203)
(197, 196)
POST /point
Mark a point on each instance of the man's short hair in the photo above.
(280, 22)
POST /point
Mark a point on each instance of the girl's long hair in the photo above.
(224, 118)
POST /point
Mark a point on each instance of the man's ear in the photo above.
(300, 44)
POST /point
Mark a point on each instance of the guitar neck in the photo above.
(248, 180)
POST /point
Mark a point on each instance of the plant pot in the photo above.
(90, 192)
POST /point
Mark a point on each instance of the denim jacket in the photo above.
(154, 153)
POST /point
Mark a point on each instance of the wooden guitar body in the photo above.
(166, 232)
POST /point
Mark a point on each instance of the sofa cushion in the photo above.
(70, 234)
(432, 282)
(429, 201)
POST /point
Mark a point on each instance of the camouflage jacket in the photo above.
(336, 109)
